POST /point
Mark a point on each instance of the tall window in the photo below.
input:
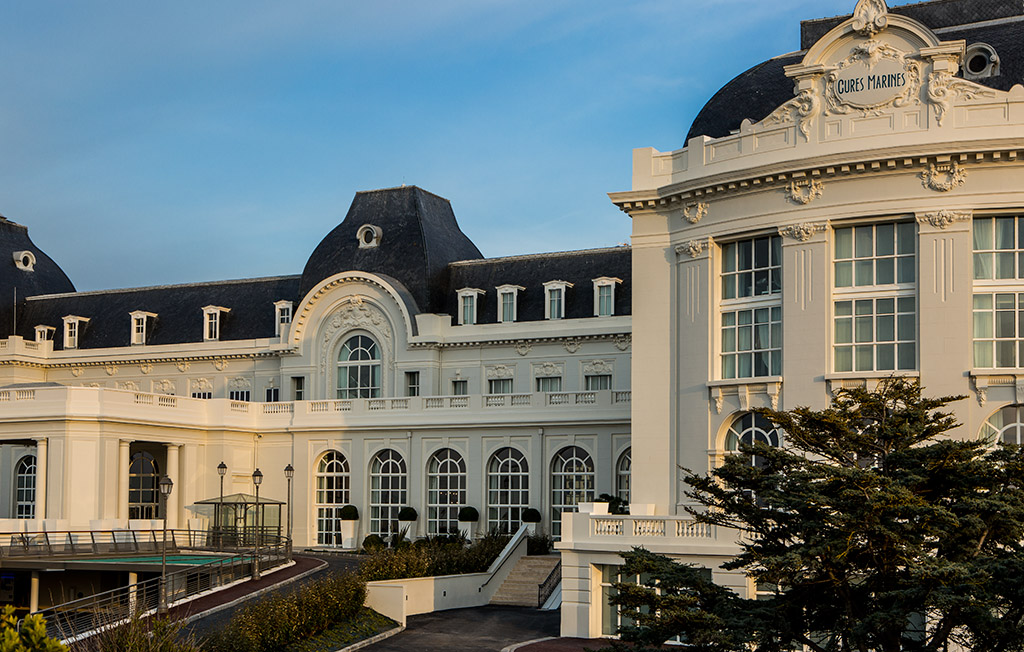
(1006, 426)
(752, 308)
(213, 320)
(240, 395)
(388, 491)
(507, 295)
(554, 299)
(412, 383)
(460, 387)
(549, 384)
(622, 470)
(595, 382)
(604, 296)
(25, 487)
(359, 368)
(499, 386)
(508, 490)
(572, 483)
(998, 307)
(468, 299)
(875, 330)
(143, 487)
(446, 491)
(138, 330)
(749, 428)
(332, 493)
(283, 314)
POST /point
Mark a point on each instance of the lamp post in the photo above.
(166, 485)
(222, 468)
(257, 479)
(289, 473)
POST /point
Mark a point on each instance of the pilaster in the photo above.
(806, 284)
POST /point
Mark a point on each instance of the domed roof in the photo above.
(407, 234)
(24, 271)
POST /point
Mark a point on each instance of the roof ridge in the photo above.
(237, 281)
(550, 254)
(403, 187)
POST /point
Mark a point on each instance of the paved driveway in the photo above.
(471, 630)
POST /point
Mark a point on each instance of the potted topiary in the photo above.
(531, 517)
(467, 517)
(349, 524)
(407, 522)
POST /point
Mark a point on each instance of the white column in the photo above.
(123, 464)
(172, 473)
(133, 593)
(41, 479)
(33, 599)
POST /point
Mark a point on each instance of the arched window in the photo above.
(25, 487)
(622, 470)
(332, 493)
(572, 483)
(388, 491)
(446, 491)
(748, 428)
(359, 368)
(143, 487)
(508, 490)
(1006, 425)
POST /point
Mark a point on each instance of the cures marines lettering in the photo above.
(896, 80)
(873, 76)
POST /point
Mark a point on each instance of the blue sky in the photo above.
(148, 143)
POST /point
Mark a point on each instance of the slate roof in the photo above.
(531, 272)
(46, 276)
(179, 310)
(757, 92)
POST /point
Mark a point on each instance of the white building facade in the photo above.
(838, 215)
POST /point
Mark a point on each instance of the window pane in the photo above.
(1005, 354)
(729, 366)
(1004, 265)
(982, 234)
(744, 255)
(886, 357)
(905, 270)
(907, 355)
(844, 331)
(1004, 233)
(863, 241)
(863, 329)
(905, 238)
(728, 340)
(886, 328)
(844, 275)
(844, 358)
(862, 273)
(885, 240)
(863, 357)
(762, 254)
(844, 243)
(982, 324)
(905, 327)
(885, 271)
(983, 266)
(729, 257)
(729, 287)
(744, 368)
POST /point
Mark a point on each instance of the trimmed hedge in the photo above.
(407, 514)
(349, 513)
(469, 515)
(442, 555)
(531, 515)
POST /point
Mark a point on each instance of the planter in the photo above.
(594, 509)
(531, 528)
(349, 534)
(467, 529)
(410, 529)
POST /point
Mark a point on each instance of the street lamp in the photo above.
(257, 479)
(289, 472)
(166, 485)
(222, 468)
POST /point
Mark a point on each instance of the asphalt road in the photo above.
(471, 630)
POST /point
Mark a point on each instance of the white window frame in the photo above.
(605, 282)
(460, 387)
(282, 317)
(44, 333)
(212, 322)
(73, 326)
(496, 386)
(412, 383)
(988, 331)
(548, 384)
(470, 295)
(623, 470)
(389, 490)
(550, 288)
(25, 474)
(590, 381)
(140, 326)
(505, 291)
(446, 491)
(732, 352)
(508, 489)
(332, 493)
(572, 482)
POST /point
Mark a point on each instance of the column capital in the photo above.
(803, 232)
(942, 220)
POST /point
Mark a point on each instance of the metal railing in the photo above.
(547, 587)
(79, 543)
(82, 618)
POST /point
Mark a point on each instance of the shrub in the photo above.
(154, 634)
(407, 514)
(530, 515)
(439, 555)
(616, 505)
(29, 637)
(469, 515)
(372, 542)
(539, 544)
(349, 513)
(276, 621)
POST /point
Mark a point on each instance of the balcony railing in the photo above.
(648, 527)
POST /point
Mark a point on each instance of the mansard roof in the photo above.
(17, 281)
(178, 309)
(579, 268)
(760, 90)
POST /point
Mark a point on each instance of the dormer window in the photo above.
(369, 236)
(468, 305)
(25, 260)
(554, 299)
(212, 318)
(283, 312)
(507, 296)
(44, 333)
(73, 326)
(604, 296)
(140, 326)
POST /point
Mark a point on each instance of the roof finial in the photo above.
(870, 16)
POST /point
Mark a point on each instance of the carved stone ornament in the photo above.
(599, 367)
(944, 177)
(694, 248)
(183, 366)
(239, 383)
(802, 232)
(523, 348)
(802, 110)
(548, 369)
(942, 219)
(111, 370)
(356, 313)
(572, 344)
(163, 386)
(500, 371)
(145, 368)
(220, 364)
(623, 342)
(846, 92)
(870, 17)
(129, 385)
(92, 384)
(718, 402)
(694, 212)
(77, 371)
(944, 88)
(202, 385)
(804, 192)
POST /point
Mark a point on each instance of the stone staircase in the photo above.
(520, 588)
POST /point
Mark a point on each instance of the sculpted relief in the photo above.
(355, 313)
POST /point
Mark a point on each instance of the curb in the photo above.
(227, 605)
(373, 639)
(516, 646)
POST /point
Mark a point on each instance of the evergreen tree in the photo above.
(870, 530)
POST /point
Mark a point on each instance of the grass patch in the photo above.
(365, 624)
